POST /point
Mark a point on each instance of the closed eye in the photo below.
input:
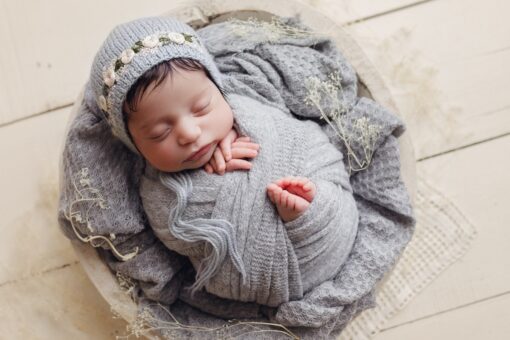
(206, 106)
(202, 109)
(159, 136)
(197, 111)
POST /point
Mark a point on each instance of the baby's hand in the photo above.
(228, 156)
(292, 196)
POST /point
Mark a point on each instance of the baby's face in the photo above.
(185, 113)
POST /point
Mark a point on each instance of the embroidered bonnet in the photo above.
(128, 52)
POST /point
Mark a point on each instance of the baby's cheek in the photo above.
(160, 154)
(229, 123)
(228, 118)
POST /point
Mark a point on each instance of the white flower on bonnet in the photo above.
(176, 37)
(150, 41)
(127, 55)
(109, 76)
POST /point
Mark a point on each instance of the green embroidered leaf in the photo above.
(138, 46)
(118, 64)
(188, 37)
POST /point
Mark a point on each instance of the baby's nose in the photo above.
(188, 130)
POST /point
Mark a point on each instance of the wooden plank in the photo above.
(466, 101)
(345, 11)
(49, 46)
(61, 304)
(484, 320)
(31, 241)
(476, 179)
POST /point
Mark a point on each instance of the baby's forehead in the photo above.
(175, 75)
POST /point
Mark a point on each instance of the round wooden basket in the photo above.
(201, 13)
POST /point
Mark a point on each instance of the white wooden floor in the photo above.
(459, 120)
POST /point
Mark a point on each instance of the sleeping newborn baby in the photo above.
(264, 232)
(177, 126)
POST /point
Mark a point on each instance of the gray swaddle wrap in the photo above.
(281, 259)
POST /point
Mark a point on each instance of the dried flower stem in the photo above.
(146, 322)
(264, 31)
(332, 89)
(92, 195)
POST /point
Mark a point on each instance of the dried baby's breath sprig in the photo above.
(264, 31)
(115, 314)
(126, 283)
(86, 193)
(364, 132)
(367, 137)
(146, 323)
(140, 326)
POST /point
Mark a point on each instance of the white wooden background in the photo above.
(460, 132)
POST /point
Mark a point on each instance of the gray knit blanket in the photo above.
(104, 189)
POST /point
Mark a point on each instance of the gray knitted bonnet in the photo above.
(128, 52)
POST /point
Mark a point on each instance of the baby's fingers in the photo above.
(238, 164)
(243, 139)
(226, 145)
(248, 145)
(212, 165)
(243, 153)
(227, 151)
(219, 161)
(208, 168)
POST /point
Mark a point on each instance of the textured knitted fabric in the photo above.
(282, 260)
(271, 73)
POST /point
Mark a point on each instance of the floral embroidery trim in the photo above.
(147, 43)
